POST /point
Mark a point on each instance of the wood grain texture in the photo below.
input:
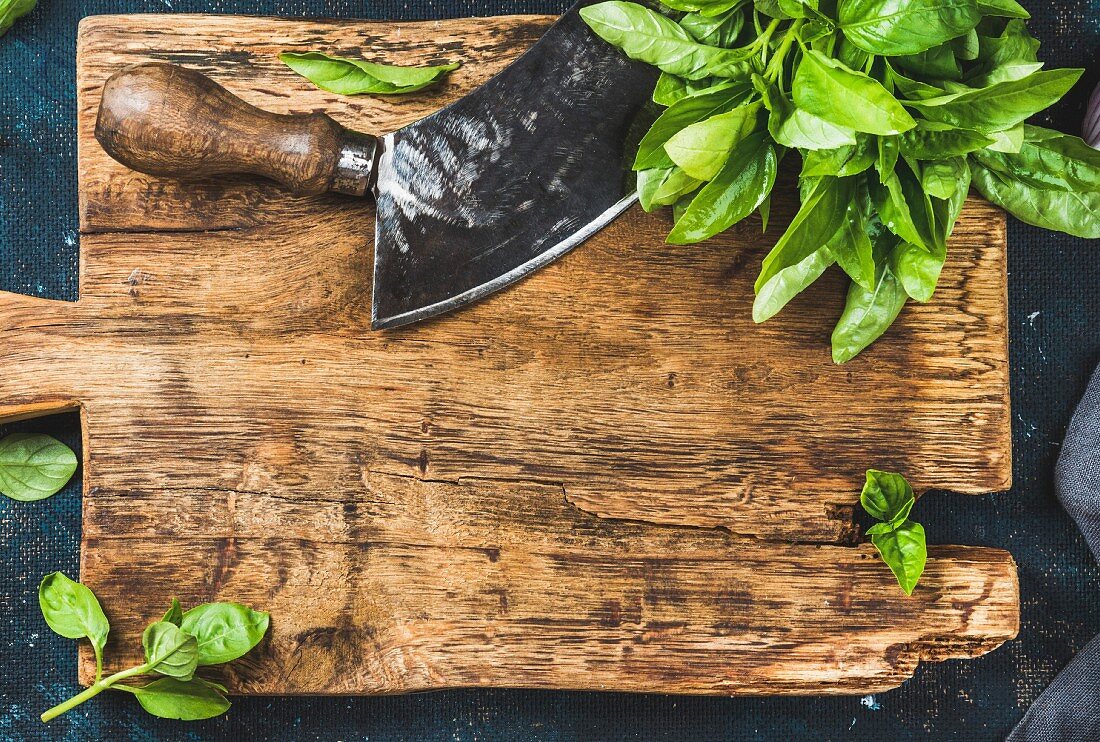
(604, 477)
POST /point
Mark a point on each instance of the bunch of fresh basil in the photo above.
(895, 107)
(175, 647)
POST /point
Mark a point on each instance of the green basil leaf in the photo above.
(740, 188)
(821, 213)
(868, 314)
(941, 178)
(850, 55)
(789, 283)
(1003, 8)
(851, 246)
(1009, 140)
(800, 129)
(682, 114)
(72, 610)
(887, 496)
(721, 30)
(917, 269)
(909, 88)
(1000, 106)
(356, 76)
(34, 467)
(224, 631)
(905, 551)
(711, 7)
(174, 614)
(192, 700)
(650, 37)
(841, 162)
(896, 27)
(1048, 159)
(669, 89)
(828, 89)
(663, 186)
(1076, 213)
(904, 207)
(170, 651)
(703, 148)
(13, 10)
(931, 140)
(939, 63)
(966, 47)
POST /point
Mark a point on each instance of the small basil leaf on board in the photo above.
(34, 467)
(224, 631)
(822, 212)
(682, 114)
(886, 496)
(174, 614)
(1003, 8)
(931, 140)
(1072, 212)
(789, 283)
(896, 27)
(170, 651)
(703, 148)
(191, 700)
(741, 187)
(356, 76)
(828, 89)
(13, 10)
(868, 314)
(72, 610)
(905, 551)
(648, 36)
(1002, 105)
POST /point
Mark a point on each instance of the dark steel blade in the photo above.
(502, 182)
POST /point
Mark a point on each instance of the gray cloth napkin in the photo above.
(1069, 709)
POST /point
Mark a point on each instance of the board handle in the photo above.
(166, 120)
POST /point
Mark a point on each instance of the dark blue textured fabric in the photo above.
(1055, 297)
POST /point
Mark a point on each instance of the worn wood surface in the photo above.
(604, 477)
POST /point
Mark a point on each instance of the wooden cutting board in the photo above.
(605, 477)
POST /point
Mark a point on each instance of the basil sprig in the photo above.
(895, 108)
(899, 540)
(175, 647)
(355, 76)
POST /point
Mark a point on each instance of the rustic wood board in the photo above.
(604, 477)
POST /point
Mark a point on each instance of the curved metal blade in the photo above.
(502, 182)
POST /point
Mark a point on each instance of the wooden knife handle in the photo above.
(165, 120)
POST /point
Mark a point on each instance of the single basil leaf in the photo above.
(868, 314)
(669, 89)
(1003, 8)
(650, 37)
(904, 207)
(721, 30)
(941, 178)
(664, 186)
(740, 188)
(917, 269)
(174, 614)
(821, 213)
(851, 246)
(34, 467)
(841, 162)
(850, 55)
(800, 129)
(886, 496)
(789, 283)
(682, 114)
(888, 153)
(224, 631)
(355, 76)
(715, 7)
(13, 10)
(1000, 106)
(896, 27)
(938, 63)
(828, 89)
(905, 551)
(967, 46)
(192, 700)
(931, 140)
(1048, 159)
(72, 610)
(909, 88)
(703, 148)
(1009, 140)
(170, 651)
(1073, 212)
